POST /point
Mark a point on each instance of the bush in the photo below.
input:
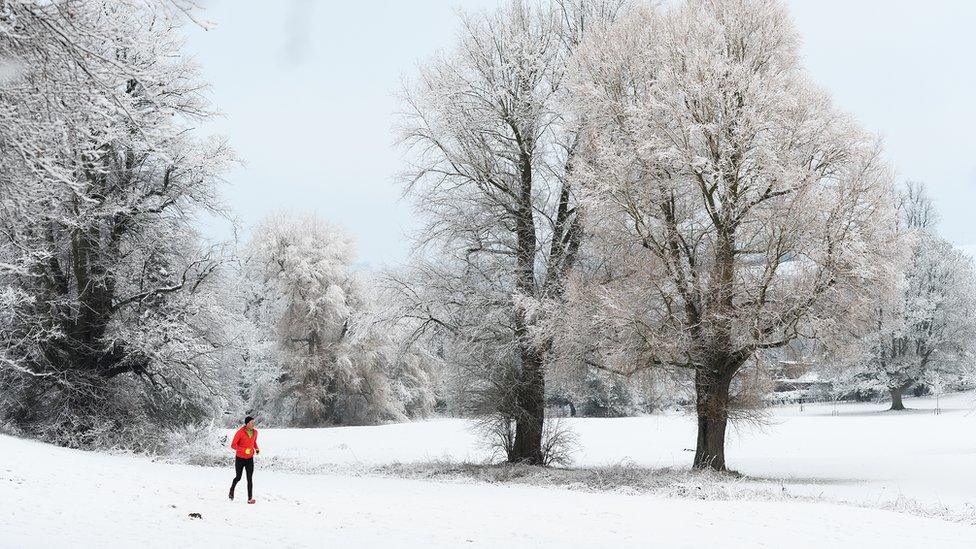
(197, 444)
(558, 439)
(123, 413)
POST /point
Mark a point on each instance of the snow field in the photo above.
(56, 497)
(864, 454)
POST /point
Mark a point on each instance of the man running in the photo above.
(245, 443)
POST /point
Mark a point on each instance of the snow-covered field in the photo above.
(859, 452)
(915, 460)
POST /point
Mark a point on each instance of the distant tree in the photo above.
(591, 392)
(928, 329)
(319, 357)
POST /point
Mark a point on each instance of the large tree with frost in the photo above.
(492, 150)
(741, 208)
(110, 306)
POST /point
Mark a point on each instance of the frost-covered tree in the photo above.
(320, 357)
(928, 329)
(492, 150)
(109, 316)
(740, 208)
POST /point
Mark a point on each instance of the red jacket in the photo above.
(246, 446)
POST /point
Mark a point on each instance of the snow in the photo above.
(51, 496)
(864, 453)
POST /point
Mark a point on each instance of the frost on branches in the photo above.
(109, 322)
(925, 333)
(492, 149)
(741, 209)
(319, 354)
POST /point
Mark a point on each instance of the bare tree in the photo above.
(493, 151)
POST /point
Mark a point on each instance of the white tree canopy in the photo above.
(110, 316)
(743, 209)
(330, 361)
(928, 328)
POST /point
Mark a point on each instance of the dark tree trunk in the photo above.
(530, 412)
(713, 417)
(896, 403)
(530, 402)
(720, 360)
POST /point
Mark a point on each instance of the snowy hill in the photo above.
(54, 497)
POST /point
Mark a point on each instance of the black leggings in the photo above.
(240, 464)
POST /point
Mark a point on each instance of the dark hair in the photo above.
(248, 419)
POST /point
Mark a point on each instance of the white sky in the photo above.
(307, 88)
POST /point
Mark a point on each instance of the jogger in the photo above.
(245, 444)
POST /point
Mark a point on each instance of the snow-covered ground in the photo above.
(55, 497)
(858, 452)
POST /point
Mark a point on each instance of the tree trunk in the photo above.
(531, 411)
(896, 403)
(713, 417)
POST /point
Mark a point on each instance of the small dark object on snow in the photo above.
(196, 515)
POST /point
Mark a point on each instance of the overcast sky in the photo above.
(307, 88)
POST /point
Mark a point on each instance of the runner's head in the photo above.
(249, 422)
